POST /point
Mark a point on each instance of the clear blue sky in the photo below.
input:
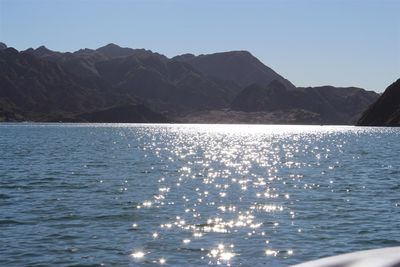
(342, 43)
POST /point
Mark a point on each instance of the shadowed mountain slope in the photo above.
(238, 66)
(44, 85)
(386, 110)
(36, 89)
(333, 105)
(36, 84)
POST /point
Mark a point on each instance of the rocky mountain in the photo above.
(386, 110)
(101, 84)
(36, 89)
(240, 67)
(165, 85)
(328, 104)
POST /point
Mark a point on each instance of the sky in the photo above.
(309, 42)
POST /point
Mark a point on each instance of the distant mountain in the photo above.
(48, 93)
(330, 104)
(67, 84)
(36, 89)
(238, 66)
(165, 85)
(2, 46)
(119, 84)
(386, 110)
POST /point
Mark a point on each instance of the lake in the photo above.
(190, 195)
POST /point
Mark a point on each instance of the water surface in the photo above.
(190, 195)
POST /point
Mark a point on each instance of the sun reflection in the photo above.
(226, 256)
(270, 252)
(220, 182)
(222, 253)
(138, 254)
(147, 204)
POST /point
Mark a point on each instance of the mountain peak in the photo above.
(43, 51)
(2, 46)
(10, 51)
(110, 45)
(42, 48)
(239, 66)
(112, 50)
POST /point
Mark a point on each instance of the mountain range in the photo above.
(116, 84)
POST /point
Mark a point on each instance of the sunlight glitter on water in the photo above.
(229, 195)
(138, 254)
(236, 198)
(222, 254)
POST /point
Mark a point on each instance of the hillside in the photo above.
(332, 105)
(240, 67)
(44, 85)
(386, 110)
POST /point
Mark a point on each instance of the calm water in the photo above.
(190, 195)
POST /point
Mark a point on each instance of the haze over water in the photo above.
(189, 195)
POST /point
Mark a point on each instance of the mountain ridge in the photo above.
(41, 84)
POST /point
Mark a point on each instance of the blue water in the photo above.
(190, 195)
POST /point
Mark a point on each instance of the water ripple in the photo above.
(123, 194)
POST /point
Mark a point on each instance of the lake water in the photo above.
(190, 195)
